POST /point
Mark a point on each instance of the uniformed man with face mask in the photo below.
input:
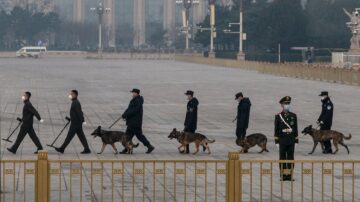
(325, 119)
(76, 126)
(27, 125)
(286, 135)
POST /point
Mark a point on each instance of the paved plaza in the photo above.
(104, 87)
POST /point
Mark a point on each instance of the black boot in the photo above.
(60, 150)
(124, 151)
(12, 151)
(86, 151)
(187, 150)
(150, 149)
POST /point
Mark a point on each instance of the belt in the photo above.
(287, 130)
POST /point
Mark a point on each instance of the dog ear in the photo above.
(174, 130)
(310, 126)
(99, 128)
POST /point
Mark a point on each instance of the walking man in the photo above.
(243, 115)
(28, 114)
(286, 135)
(133, 116)
(190, 123)
(325, 118)
(76, 125)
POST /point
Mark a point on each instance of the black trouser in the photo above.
(187, 150)
(327, 143)
(75, 129)
(286, 152)
(22, 133)
(137, 131)
(240, 132)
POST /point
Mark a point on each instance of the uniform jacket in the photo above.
(76, 114)
(286, 138)
(191, 115)
(326, 115)
(243, 113)
(28, 114)
(134, 113)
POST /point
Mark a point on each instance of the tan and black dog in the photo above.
(322, 135)
(252, 140)
(111, 137)
(186, 138)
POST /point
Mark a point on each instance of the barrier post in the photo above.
(233, 184)
(42, 178)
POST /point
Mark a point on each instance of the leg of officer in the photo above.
(69, 137)
(187, 150)
(327, 143)
(19, 139)
(282, 156)
(290, 156)
(141, 137)
(81, 136)
(35, 138)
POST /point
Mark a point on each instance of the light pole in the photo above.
(242, 35)
(100, 10)
(212, 28)
(187, 4)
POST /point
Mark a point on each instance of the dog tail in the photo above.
(136, 145)
(209, 141)
(348, 138)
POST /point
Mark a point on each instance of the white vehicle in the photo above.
(31, 51)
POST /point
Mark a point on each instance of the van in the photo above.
(31, 51)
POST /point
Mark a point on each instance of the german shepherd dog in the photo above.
(111, 137)
(323, 135)
(186, 138)
(252, 140)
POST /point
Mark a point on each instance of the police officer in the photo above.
(27, 125)
(134, 117)
(190, 123)
(76, 126)
(325, 118)
(243, 115)
(286, 135)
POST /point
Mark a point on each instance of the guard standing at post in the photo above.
(286, 135)
(76, 125)
(325, 119)
(28, 114)
(243, 115)
(133, 116)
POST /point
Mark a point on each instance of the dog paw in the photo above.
(99, 153)
(310, 153)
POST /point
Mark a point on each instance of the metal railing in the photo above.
(231, 180)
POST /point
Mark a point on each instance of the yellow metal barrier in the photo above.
(231, 180)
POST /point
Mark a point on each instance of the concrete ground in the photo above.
(104, 87)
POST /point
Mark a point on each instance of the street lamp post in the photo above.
(100, 11)
(187, 4)
(212, 28)
(242, 35)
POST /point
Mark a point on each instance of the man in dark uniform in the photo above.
(27, 125)
(286, 135)
(325, 118)
(190, 123)
(134, 117)
(243, 115)
(76, 126)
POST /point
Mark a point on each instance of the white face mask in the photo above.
(287, 107)
(70, 97)
(323, 98)
(23, 98)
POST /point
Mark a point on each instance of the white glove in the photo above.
(41, 120)
(277, 145)
(84, 123)
(321, 122)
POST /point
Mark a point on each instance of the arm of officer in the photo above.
(79, 112)
(34, 112)
(276, 131)
(131, 110)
